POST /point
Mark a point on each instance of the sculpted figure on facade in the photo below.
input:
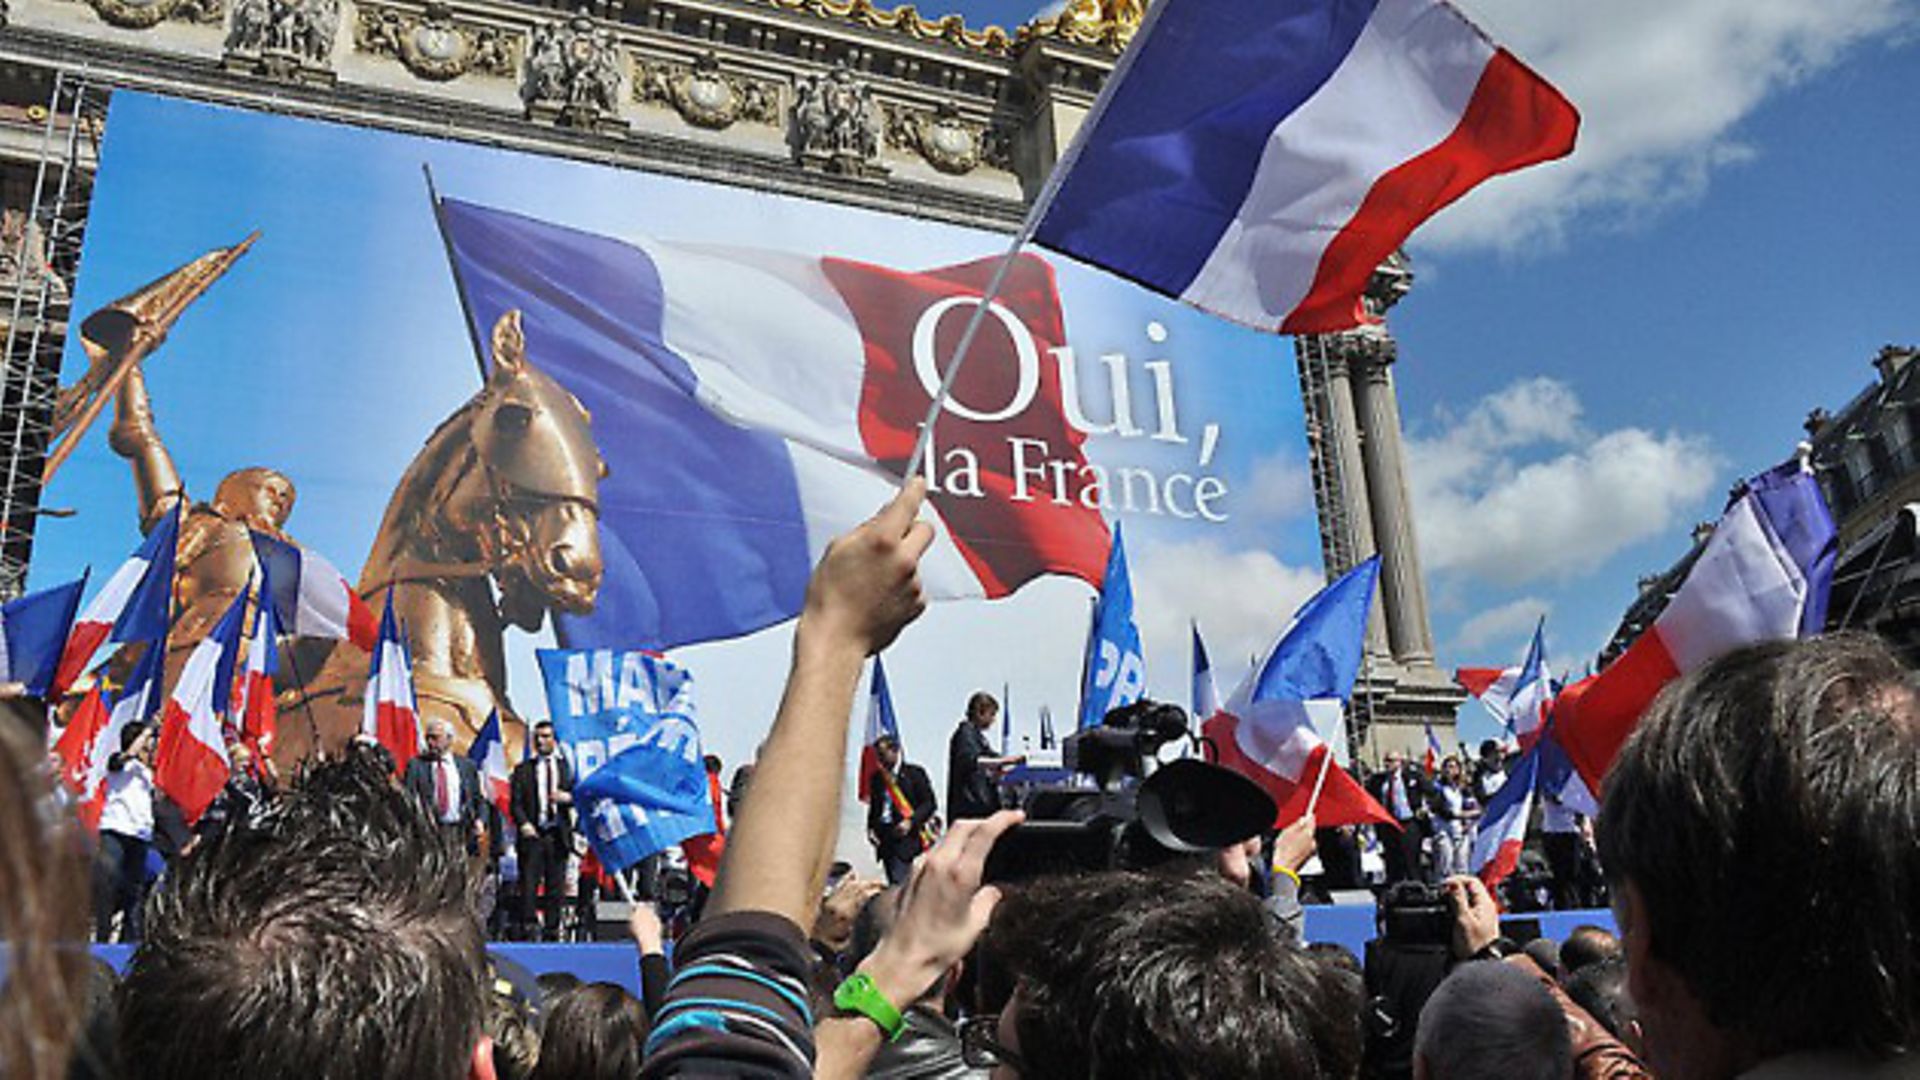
(838, 125)
(23, 257)
(285, 38)
(573, 73)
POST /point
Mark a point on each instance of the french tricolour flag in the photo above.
(1503, 823)
(1533, 691)
(1266, 730)
(190, 763)
(1763, 575)
(392, 716)
(310, 597)
(134, 702)
(880, 721)
(259, 716)
(1206, 695)
(1259, 158)
(1493, 687)
(33, 635)
(489, 754)
(133, 605)
(753, 404)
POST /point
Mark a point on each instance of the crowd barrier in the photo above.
(1352, 925)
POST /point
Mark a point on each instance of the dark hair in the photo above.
(1127, 974)
(547, 724)
(1601, 989)
(875, 921)
(43, 906)
(131, 734)
(593, 1031)
(1489, 1019)
(1587, 944)
(1765, 811)
(980, 703)
(515, 1031)
(331, 936)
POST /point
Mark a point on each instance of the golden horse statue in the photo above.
(503, 498)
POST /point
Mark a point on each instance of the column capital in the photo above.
(1367, 348)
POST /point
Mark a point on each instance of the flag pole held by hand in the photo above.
(1326, 762)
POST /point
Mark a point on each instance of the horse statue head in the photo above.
(539, 526)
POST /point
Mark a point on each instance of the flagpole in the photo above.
(459, 287)
(1326, 762)
(1028, 226)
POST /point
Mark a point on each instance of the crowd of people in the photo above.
(1756, 834)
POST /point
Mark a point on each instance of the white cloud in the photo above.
(1241, 598)
(1277, 488)
(1500, 623)
(1662, 86)
(1485, 511)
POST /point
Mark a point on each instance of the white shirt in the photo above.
(546, 779)
(128, 809)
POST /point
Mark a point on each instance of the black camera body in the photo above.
(1415, 913)
(1136, 813)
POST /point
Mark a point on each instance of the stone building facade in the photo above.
(833, 99)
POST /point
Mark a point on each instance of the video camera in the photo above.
(1129, 812)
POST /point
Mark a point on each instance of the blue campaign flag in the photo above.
(1116, 669)
(626, 720)
(33, 633)
(1318, 657)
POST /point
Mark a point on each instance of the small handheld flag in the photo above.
(392, 717)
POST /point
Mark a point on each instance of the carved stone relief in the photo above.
(433, 45)
(143, 14)
(948, 142)
(287, 39)
(573, 75)
(837, 125)
(705, 96)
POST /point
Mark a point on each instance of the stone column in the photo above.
(1408, 631)
(1370, 351)
(1325, 376)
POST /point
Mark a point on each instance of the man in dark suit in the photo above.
(898, 838)
(448, 785)
(1403, 791)
(541, 800)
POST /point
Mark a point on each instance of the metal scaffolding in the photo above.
(41, 258)
(1338, 548)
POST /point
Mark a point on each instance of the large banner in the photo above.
(567, 405)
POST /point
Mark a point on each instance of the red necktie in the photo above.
(441, 793)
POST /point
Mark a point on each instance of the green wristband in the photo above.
(858, 994)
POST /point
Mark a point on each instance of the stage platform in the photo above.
(1350, 925)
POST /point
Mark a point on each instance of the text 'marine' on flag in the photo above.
(626, 720)
(1259, 158)
(741, 438)
(1764, 575)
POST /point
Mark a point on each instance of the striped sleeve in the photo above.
(737, 1005)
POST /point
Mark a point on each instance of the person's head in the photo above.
(331, 936)
(1757, 829)
(262, 498)
(439, 736)
(982, 709)
(1491, 1019)
(544, 741)
(1601, 989)
(596, 1031)
(887, 749)
(1587, 944)
(1490, 751)
(134, 741)
(1451, 770)
(515, 1031)
(240, 758)
(1127, 974)
(875, 921)
(43, 907)
(1545, 952)
(1394, 760)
